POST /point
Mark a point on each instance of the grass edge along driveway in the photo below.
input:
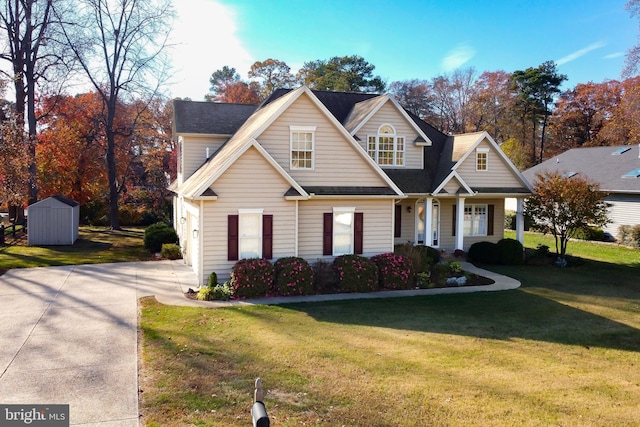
(561, 350)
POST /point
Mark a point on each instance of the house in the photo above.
(615, 168)
(53, 221)
(318, 174)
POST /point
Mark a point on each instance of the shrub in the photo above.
(294, 276)
(458, 253)
(213, 279)
(422, 257)
(455, 268)
(251, 278)
(542, 250)
(222, 292)
(590, 233)
(356, 273)
(157, 234)
(423, 280)
(394, 271)
(325, 279)
(511, 252)
(484, 252)
(441, 273)
(170, 251)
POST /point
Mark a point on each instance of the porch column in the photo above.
(428, 221)
(460, 223)
(520, 220)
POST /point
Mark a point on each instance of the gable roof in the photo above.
(246, 136)
(599, 164)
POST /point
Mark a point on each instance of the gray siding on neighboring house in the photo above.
(624, 209)
(53, 221)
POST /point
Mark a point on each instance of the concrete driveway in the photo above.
(69, 336)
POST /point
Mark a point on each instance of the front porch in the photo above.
(435, 221)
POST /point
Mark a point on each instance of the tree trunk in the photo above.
(111, 164)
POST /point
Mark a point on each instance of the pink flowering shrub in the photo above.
(356, 274)
(394, 271)
(294, 276)
(251, 278)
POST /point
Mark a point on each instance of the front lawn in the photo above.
(94, 245)
(561, 350)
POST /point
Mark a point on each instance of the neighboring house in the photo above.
(615, 168)
(321, 174)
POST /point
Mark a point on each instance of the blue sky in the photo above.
(404, 39)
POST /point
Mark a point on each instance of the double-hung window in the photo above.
(250, 233)
(386, 148)
(302, 146)
(475, 220)
(343, 231)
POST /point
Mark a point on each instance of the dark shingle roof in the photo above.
(410, 180)
(349, 191)
(210, 117)
(67, 201)
(598, 164)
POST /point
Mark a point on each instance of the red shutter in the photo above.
(358, 232)
(453, 226)
(398, 222)
(490, 217)
(232, 237)
(267, 236)
(327, 234)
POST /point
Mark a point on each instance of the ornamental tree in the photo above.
(562, 205)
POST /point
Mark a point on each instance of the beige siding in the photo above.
(251, 182)
(336, 161)
(498, 173)
(408, 223)
(448, 241)
(390, 115)
(194, 152)
(377, 222)
(452, 186)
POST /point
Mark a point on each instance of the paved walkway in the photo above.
(69, 334)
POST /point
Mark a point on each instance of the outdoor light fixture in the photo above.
(408, 208)
(195, 233)
(183, 220)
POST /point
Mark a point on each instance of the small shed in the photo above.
(53, 221)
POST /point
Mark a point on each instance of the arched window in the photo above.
(386, 148)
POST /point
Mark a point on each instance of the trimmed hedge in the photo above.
(356, 273)
(294, 276)
(511, 252)
(484, 252)
(251, 278)
(170, 251)
(394, 271)
(157, 234)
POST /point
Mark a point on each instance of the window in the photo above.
(250, 235)
(342, 232)
(302, 144)
(482, 155)
(386, 148)
(475, 220)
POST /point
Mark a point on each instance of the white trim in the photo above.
(456, 175)
(250, 211)
(302, 130)
(473, 207)
(400, 110)
(343, 209)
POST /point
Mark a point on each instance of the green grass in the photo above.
(561, 350)
(94, 245)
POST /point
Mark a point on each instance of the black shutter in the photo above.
(490, 219)
(358, 232)
(232, 238)
(327, 234)
(397, 229)
(453, 226)
(267, 236)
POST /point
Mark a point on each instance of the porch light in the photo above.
(195, 233)
(408, 208)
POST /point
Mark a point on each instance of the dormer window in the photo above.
(386, 148)
(482, 159)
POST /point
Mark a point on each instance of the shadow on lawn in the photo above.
(495, 315)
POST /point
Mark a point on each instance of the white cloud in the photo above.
(614, 55)
(206, 39)
(578, 53)
(458, 57)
